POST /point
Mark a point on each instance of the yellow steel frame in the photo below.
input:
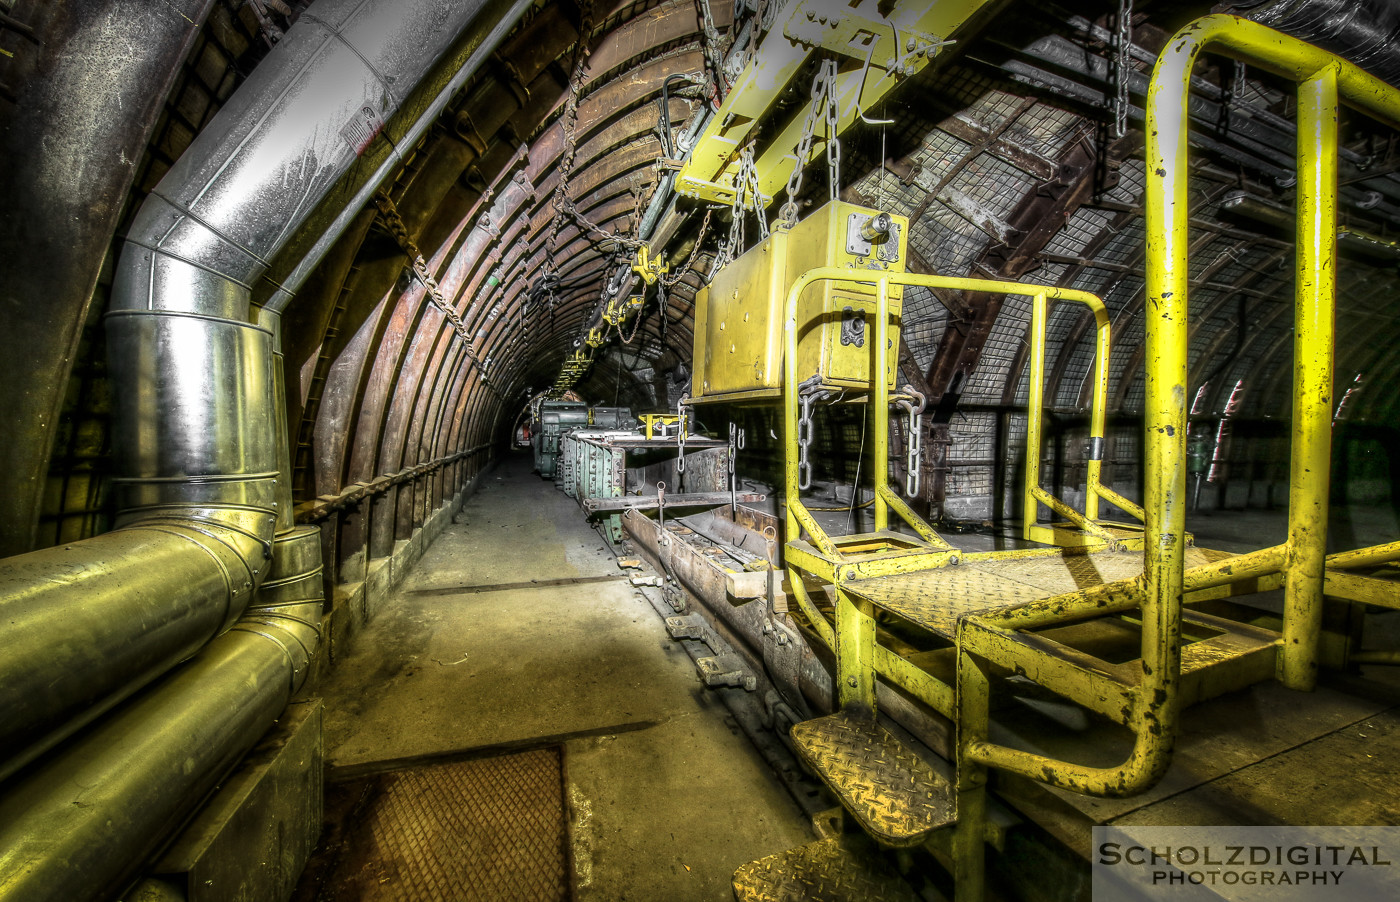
(883, 553)
(898, 43)
(1151, 705)
(1087, 530)
(1300, 561)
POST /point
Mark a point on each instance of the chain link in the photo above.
(913, 440)
(824, 108)
(736, 443)
(681, 417)
(711, 48)
(913, 454)
(393, 222)
(804, 440)
(1123, 40)
(671, 280)
(746, 195)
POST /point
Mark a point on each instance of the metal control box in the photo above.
(739, 316)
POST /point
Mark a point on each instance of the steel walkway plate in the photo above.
(936, 599)
(894, 795)
(829, 870)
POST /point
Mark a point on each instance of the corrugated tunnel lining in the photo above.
(482, 829)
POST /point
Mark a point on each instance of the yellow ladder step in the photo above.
(830, 870)
(892, 793)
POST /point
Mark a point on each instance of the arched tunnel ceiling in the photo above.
(1014, 127)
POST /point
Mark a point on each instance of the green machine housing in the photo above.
(555, 418)
(739, 316)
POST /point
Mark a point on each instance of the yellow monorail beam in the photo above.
(897, 44)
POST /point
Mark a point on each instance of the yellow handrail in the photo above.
(1093, 486)
(798, 517)
(1322, 78)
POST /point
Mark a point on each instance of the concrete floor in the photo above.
(667, 797)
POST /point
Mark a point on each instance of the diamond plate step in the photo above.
(824, 871)
(893, 794)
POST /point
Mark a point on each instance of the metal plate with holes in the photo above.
(892, 793)
(826, 871)
(936, 599)
(483, 829)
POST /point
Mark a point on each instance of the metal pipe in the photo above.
(879, 411)
(1314, 341)
(82, 824)
(204, 473)
(192, 379)
(501, 24)
(1363, 31)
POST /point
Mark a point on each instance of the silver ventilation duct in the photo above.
(1366, 32)
(203, 461)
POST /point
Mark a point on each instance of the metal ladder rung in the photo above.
(829, 870)
(893, 794)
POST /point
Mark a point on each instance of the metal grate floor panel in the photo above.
(488, 829)
(893, 794)
(938, 598)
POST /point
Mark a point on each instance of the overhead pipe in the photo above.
(204, 490)
(1362, 31)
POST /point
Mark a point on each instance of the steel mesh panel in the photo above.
(485, 829)
(936, 154)
(1133, 398)
(973, 444)
(1083, 226)
(1125, 247)
(1006, 338)
(1132, 180)
(1045, 129)
(923, 323)
(995, 184)
(885, 191)
(1077, 374)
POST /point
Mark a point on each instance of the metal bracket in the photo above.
(873, 235)
(821, 23)
(853, 327)
(725, 670)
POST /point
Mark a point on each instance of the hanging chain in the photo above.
(1123, 40)
(681, 424)
(393, 222)
(823, 107)
(568, 122)
(563, 203)
(710, 45)
(636, 322)
(663, 303)
(804, 440)
(914, 443)
(746, 195)
(671, 280)
(736, 444)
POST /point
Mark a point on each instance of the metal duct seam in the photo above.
(304, 267)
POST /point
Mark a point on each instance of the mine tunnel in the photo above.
(689, 449)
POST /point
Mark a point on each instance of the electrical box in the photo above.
(739, 316)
